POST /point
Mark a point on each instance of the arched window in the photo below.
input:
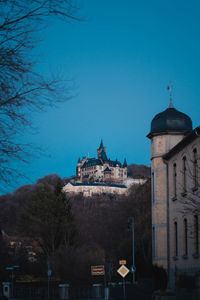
(184, 173)
(174, 179)
(196, 235)
(195, 169)
(175, 239)
(185, 237)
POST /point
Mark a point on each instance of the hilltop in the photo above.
(139, 171)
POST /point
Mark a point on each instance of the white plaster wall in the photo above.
(184, 207)
(160, 145)
(90, 190)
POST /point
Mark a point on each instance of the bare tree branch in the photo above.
(23, 91)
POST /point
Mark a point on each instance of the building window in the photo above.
(185, 237)
(174, 179)
(195, 169)
(196, 235)
(184, 174)
(175, 239)
(152, 186)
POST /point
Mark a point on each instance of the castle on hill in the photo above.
(101, 169)
(101, 175)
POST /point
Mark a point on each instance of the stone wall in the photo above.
(89, 190)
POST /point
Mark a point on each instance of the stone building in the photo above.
(175, 163)
(101, 169)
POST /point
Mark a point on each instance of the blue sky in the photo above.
(121, 58)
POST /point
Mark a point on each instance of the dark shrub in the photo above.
(160, 278)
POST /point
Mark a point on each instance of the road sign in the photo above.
(133, 269)
(97, 270)
(123, 271)
(122, 262)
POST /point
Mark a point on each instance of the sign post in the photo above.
(49, 275)
(99, 270)
(123, 271)
(131, 227)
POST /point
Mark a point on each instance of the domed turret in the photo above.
(170, 120)
(168, 128)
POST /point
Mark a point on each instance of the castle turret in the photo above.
(125, 163)
(78, 168)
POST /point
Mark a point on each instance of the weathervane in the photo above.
(169, 88)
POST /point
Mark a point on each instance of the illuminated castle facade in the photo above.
(101, 169)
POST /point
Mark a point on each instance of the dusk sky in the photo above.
(121, 58)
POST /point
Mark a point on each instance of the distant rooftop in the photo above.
(99, 184)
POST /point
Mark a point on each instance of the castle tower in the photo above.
(101, 152)
(167, 129)
(78, 168)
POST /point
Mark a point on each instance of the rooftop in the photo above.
(99, 184)
(170, 120)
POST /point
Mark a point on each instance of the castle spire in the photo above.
(125, 163)
(169, 88)
(101, 144)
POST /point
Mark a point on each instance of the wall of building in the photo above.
(184, 205)
(117, 174)
(160, 144)
(89, 190)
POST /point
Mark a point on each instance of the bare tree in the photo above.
(22, 90)
(47, 219)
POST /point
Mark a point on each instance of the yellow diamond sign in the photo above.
(123, 271)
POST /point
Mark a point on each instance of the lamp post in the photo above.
(12, 275)
(49, 276)
(131, 227)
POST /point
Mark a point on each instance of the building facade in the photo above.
(90, 189)
(175, 150)
(101, 169)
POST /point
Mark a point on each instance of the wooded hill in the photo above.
(75, 232)
(139, 171)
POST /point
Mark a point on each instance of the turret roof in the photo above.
(107, 170)
(92, 162)
(125, 163)
(170, 120)
(101, 144)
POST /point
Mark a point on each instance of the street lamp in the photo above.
(49, 275)
(12, 275)
(131, 227)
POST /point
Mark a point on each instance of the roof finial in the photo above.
(169, 88)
